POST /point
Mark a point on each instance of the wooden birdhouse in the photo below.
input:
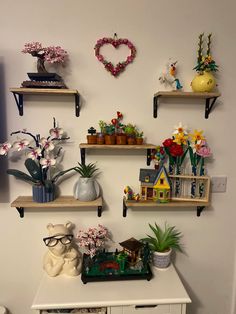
(132, 248)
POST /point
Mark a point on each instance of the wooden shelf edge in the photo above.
(187, 94)
(190, 203)
(97, 146)
(21, 90)
(62, 201)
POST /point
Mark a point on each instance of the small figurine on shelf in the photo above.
(168, 76)
(130, 195)
(61, 257)
(51, 54)
(92, 137)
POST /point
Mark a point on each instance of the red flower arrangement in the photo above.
(120, 66)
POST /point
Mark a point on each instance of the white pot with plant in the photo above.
(86, 188)
(162, 243)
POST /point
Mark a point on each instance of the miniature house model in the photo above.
(132, 248)
(155, 185)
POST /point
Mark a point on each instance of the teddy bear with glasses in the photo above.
(62, 257)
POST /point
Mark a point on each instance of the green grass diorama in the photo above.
(118, 265)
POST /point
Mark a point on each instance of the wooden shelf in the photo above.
(19, 94)
(22, 202)
(147, 147)
(209, 98)
(191, 203)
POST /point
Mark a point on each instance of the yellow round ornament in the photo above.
(203, 82)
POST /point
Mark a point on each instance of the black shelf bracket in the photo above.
(99, 211)
(77, 105)
(149, 156)
(20, 211)
(82, 155)
(19, 102)
(155, 105)
(124, 209)
(209, 105)
(199, 210)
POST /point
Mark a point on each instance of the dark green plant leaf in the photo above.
(34, 169)
(21, 175)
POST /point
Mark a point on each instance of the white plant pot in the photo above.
(86, 189)
(161, 260)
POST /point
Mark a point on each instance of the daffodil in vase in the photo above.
(204, 81)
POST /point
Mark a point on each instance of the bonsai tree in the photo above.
(162, 240)
(51, 54)
(86, 171)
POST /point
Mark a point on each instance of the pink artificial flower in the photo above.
(20, 145)
(55, 54)
(204, 151)
(56, 132)
(4, 148)
(33, 47)
(46, 144)
(47, 162)
(34, 153)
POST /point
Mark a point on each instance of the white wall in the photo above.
(159, 29)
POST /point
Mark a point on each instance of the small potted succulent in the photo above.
(110, 138)
(101, 135)
(92, 137)
(130, 131)
(86, 188)
(139, 137)
(162, 242)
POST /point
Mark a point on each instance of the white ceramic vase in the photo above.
(161, 260)
(86, 189)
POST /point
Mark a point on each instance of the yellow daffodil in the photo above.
(180, 128)
(197, 136)
(180, 139)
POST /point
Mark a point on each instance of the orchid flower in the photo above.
(21, 144)
(34, 153)
(4, 148)
(47, 162)
(46, 144)
(56, 132)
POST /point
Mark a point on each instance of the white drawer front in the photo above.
(158, 309)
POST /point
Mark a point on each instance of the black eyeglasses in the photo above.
(64, 239)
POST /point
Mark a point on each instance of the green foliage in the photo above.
(110, 129)
(22, 176)
(33, 169)
(130, 129)
(163, 240)
(86, 171)
(102, 124)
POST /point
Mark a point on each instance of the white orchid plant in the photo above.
(41, 156)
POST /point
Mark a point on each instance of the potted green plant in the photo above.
(86, 188)
(162, 242)
(130, 131)
(43, 155)
(139, 137)
(92, 137)
(110, 138)
(101, 135)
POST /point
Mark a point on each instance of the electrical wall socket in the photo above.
(218, 184)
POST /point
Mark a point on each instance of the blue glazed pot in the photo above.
(42, 194)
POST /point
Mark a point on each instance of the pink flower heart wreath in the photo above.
(115, 70)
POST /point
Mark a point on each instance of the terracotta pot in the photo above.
(110, 139)
(121, 139)
(139, 140)
(92, 139)
(100, 138)
(131, 140)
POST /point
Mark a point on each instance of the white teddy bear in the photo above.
(61, 257)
